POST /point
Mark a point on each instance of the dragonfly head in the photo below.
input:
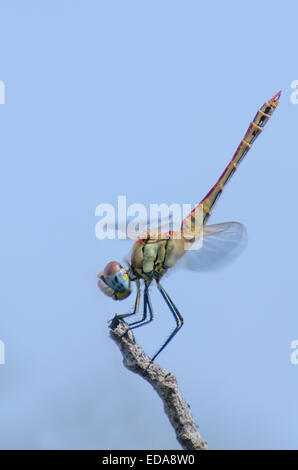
(114, 281)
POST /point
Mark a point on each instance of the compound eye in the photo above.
(111, 269)
(114, 281)
(104, 287)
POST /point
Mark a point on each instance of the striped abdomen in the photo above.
(202, 211)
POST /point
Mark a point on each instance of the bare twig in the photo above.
(165, 384)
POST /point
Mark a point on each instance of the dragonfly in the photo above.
(198, 244)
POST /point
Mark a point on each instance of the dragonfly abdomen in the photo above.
(203, 210)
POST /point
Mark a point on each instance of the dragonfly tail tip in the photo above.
(277, 96)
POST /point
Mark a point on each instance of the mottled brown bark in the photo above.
(164, 383)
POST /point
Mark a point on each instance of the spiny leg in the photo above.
(178, 318)
(143, 320)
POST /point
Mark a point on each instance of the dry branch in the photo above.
(164, 383)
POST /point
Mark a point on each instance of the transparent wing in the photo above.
(133, 228)
(219, 245)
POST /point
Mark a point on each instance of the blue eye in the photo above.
(114, 281)
(119, 282)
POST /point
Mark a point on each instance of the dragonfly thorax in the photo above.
(152, 257)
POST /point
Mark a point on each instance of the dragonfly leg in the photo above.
(137, 303)
(178, 318)
(143, 320)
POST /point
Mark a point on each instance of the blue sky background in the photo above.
(149, 100)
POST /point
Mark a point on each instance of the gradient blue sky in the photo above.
(149, 100)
